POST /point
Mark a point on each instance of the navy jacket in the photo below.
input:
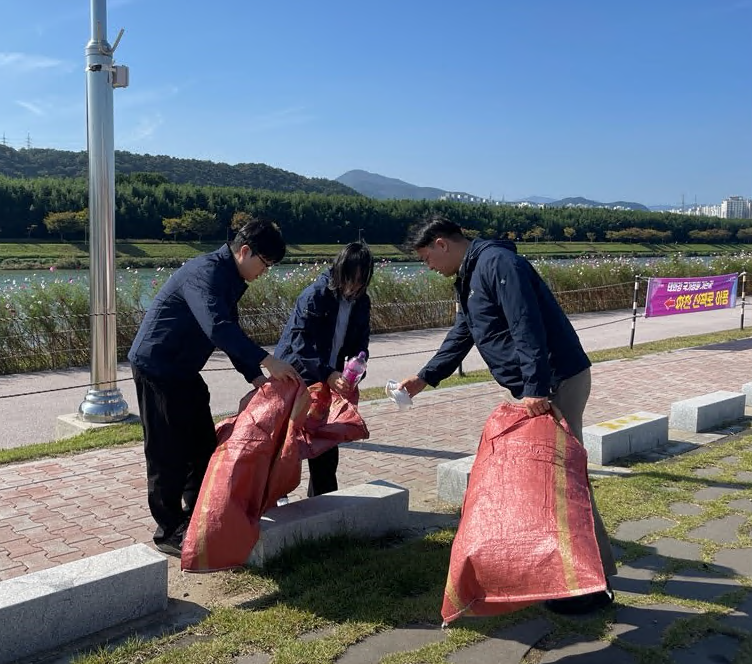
(194, 313)
(306, 341)
(512, 317)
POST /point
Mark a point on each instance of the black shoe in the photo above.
(574, 606)
(173, 545)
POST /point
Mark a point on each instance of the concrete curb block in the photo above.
(372, 509)
(623, 436)
(50, 608)
(707, 411)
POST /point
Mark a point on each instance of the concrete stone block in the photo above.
(70, 425)
(372, 510)
(47, 609)
(623, 436)
(451, 479)
(707, 411)
(747, 391)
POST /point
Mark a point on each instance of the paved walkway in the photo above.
(56, 510)
(395, 356)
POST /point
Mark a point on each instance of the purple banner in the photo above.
(686, 295)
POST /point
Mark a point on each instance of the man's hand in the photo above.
(338, 383)
(279, 369)
(536, 405)
(259, 381)
(413, 385)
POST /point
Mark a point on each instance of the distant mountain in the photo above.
(37, 163)
(382, 187)
(579, 201)
(541, 200)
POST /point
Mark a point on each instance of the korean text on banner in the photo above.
(685, 295)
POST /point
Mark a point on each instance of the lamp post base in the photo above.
(103, 406)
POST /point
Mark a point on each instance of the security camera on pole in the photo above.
(103, 403)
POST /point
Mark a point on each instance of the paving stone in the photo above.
(685, 509)
(708, 472)
(255, 658)
(673, 548)
(717, 649)
(741, 617)
(508, 645)
(743, 504)
(722, 531)
(375, 647)
(699, 585)
(635, 530)
(732, 460)
(586, 651)
(644, 625)
(738, 560)
(713, 492)
(744, 476)
(635, 577)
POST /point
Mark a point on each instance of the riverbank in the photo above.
(36, 255)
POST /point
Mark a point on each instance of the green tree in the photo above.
(173, 226)
(535, 233)
(570, 232)
(239, 219)
(744, 234)
(64, 222)
(200, 222)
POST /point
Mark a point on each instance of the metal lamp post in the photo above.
(103, 402)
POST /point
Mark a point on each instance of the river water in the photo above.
(150, 278)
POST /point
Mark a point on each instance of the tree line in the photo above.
(150, 207)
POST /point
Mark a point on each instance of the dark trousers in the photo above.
(179, 439)
(323, 473)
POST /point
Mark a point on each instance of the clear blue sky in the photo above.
(643, 100)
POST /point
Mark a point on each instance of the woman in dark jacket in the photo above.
(331, 321)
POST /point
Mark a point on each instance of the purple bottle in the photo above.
(354, 369)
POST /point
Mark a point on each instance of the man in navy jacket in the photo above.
(331, 321)
(508, 312)
(194, 313)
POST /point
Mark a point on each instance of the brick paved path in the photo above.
(56, 510)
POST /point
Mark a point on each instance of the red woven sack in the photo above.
(526, 532)
(257, 461)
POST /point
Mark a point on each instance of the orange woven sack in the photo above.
(526, 532)
(257, 461)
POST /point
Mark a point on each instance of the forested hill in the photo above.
(43, 162)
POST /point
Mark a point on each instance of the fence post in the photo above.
(744, 299)
(456, 313)
(634, 310)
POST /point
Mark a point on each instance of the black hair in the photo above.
(424, 233)
(354, 261)
(263, 237)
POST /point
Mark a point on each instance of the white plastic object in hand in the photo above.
(399, 396)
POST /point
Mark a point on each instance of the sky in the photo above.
(645, 100)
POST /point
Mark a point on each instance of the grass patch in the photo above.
(47, 253)
(353, 588)
(94, 439)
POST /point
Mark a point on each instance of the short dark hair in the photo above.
(435, 226)
(263, 237)
(352, 261)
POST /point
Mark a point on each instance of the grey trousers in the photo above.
(570, 398)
